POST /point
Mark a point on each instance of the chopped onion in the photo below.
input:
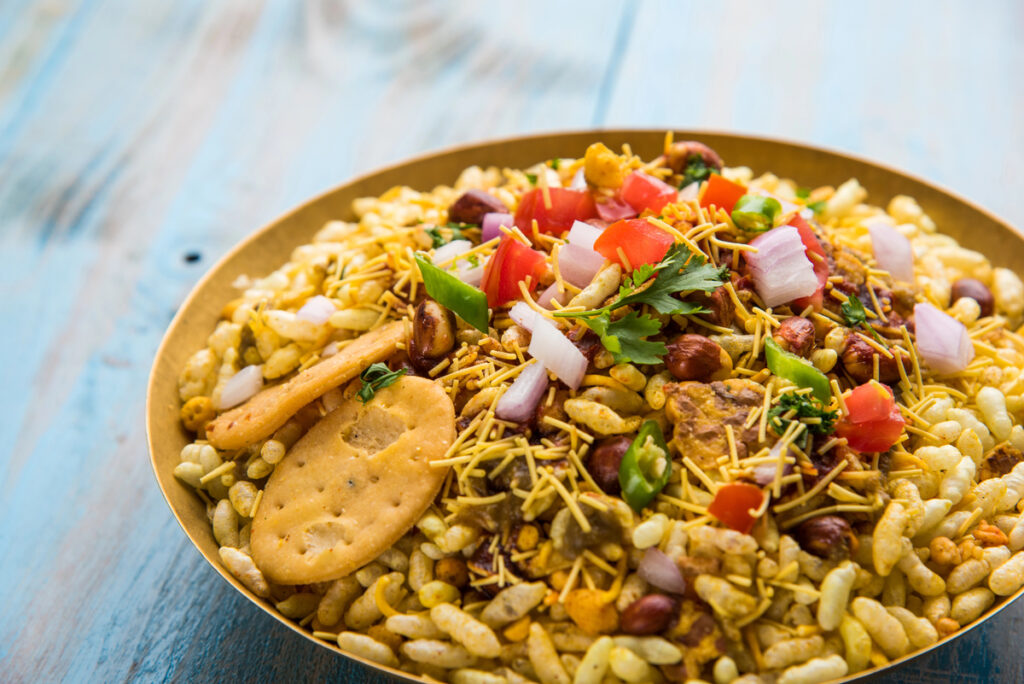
(240, 386)
(780, 267)
(615, 209)
(560, 356)
(492, 223)
(579, 265)
(941, 340)
(471, 276)
(552, 295)
(330, 350)
(316, 310)
(690, 193)
(444, 254)
(892, 251)
(764, 474)
(660, 571)
(523, 315)
(579, 181)
(520, 400)
(584, 235)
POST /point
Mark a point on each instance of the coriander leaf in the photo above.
(554, 163)
(853, 312)
(696, 170)
(377, 377)
(624, 337)
(532, 177)
(803, 193)
(817, 207)
(679, 271)
(641, 274)
(473, 260)
(805, 406)
(439, 239)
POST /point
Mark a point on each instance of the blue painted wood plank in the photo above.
(132, 132)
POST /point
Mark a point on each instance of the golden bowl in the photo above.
(268, 247)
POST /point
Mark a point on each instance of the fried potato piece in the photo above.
(257, 418)
(354, 484)
(700, 411)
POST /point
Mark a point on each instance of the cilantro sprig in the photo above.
(804, 406)
(375, 378)
(856, 316)
(681, 270)
(439, 238)
(696, 170)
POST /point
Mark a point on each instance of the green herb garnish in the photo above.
(817, 207)
(805, 406)
(532, 177)
(696, 170)
(377, 377)
(438, 238)
(856, 316)
(554, 163)
(680, 270)
(803, 193)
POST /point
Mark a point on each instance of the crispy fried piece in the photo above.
(700, 411)
(354, 484)
(257, 418)
(1000, 462)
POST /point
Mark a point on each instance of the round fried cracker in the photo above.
(354, 484)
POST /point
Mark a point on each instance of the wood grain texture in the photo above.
(133, 134)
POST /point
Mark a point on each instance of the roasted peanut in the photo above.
(604, 461)
(827, 536)
(796, 334)
(976, 290)
(857, 356)
(472, 205)
(693, 357)
(433, 331)
(452, 571)
(649, 615)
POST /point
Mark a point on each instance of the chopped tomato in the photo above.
(510, 264)
(642, 191)
(814, 252)
(721, 192)
(873, 422)
(566, 206)
(641, 242)
(732, 505)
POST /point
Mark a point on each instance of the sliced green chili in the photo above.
(645, 467)
(797, 370)
(468, 303)
(755, 213)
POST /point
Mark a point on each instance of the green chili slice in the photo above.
(645, 467)
(755, 213)
(797, 370)
(468, 303)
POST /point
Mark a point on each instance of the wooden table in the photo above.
(140, 139)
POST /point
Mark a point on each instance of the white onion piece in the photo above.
(240, 386)
(316, 310)
(471, 276)
(584, 235)
(523, 315)
(660, 571)
(330, 350)
(444, 254)
(520, 400)
(579, 181)
(551, 294)
(780, 268)
(892, 251)
(941, 340)
(614, 210)
(560, 356)
(579, 265)
(690, 192)
(492, 223)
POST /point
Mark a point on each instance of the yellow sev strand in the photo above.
(378, 597)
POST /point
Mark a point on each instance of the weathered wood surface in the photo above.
(140, 139)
